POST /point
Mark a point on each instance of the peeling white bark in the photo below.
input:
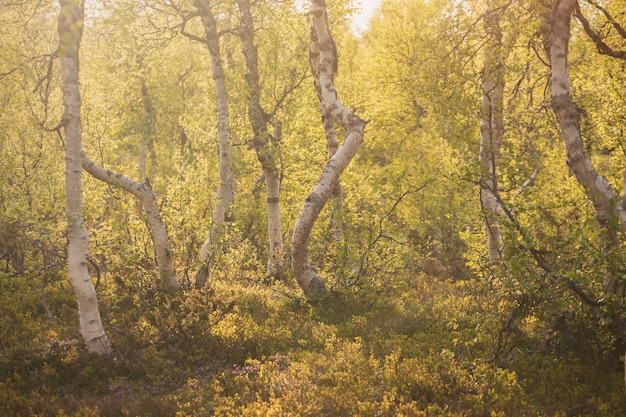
(609, 211)
(153, 216)
(224, 198)
(261, 142)
(70, 27)
(332, 144)
(323, 59)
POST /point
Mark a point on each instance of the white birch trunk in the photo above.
(492, 131)
(276, 256)
(261, 142)
(332, 145)
(153, 216)
(224, 198)
(70, 27)
(609, 213)
(323, 59)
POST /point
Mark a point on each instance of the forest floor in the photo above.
(434, 347)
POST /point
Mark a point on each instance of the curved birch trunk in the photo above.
(261, 142)
(609, 213)
(70, 26)
(323, 63)
(332, 145)
(155, 223)
(492, 131)
(224, 198)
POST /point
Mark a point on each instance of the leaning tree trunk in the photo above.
(323, 63)
(70, 27)
(556, 34)
(492, 130)
(224, 198)
(610, 213)
(261, 142)
(332, 144)
(153, 216)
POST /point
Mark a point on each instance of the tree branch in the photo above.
(186, 34)
(610, 18)
(601, 46)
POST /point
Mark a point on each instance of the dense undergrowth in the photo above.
(436, 348)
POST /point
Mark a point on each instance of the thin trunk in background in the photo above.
(224, 198)
(492, 129)
(264, 148)
(70, 27)
(149, 127)
(323, 64)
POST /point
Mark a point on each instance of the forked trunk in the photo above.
(323, 64)
(332, 144)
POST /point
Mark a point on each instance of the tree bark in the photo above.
(609, 213)
(323, 64)
(492, 130)
(70, 27)
(149, 129)
(224, 198)
(155, 223)
(262, 145)
(332, 144)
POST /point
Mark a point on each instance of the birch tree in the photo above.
(491, 129)
(158, 232)
(263, 147)
(70, 27)
(224, 197)
(555, 31)
(323, 63)
(332, 144)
